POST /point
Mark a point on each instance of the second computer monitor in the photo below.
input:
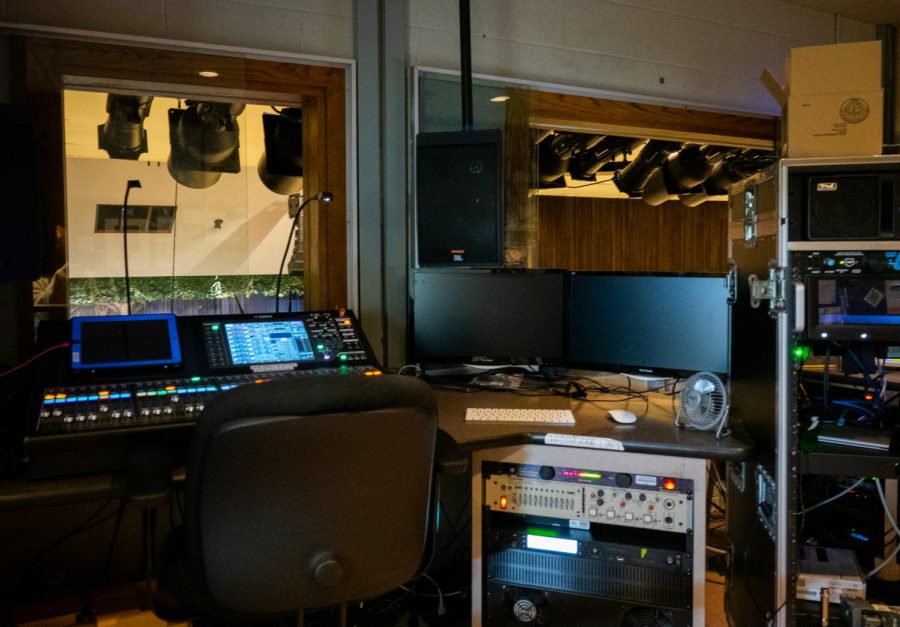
(656, 325)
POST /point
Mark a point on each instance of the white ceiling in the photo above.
(868, 11)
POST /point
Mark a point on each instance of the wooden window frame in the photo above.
(48, 66)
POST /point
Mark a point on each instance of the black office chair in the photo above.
(303, 493)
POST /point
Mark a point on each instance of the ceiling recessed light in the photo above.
(208, 74)
(499, 98)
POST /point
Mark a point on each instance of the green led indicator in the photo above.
(547, 533)
(590, 475)
(195, 379)
(320, 346)
(343, 358)
(800, 352)
(215, 327)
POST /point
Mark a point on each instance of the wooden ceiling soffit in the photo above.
(630, 119)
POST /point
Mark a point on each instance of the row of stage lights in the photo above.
(662, 170)
(204, 141)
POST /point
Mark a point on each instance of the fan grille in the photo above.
(703, 401)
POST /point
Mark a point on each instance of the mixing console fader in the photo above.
(92, 419)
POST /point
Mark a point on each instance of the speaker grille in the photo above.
(459, 199)
(625, 582)
(844, 207)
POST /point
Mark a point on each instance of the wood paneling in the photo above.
(49, 65)
(630, 119)
(628, 235)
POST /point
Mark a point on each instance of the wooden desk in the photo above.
(654, 432)
(50, 505)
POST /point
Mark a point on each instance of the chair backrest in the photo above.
(312, 491)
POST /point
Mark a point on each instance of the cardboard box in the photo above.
(835, 103)
(835, 69)
(835, 125)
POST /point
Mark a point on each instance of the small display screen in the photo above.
(124, 341)
(855, 307)
(257, 342)
(557, 545)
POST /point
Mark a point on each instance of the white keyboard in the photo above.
(533, 416)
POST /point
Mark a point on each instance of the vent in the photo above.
(646, 617)
(140, 219)
(626, 582)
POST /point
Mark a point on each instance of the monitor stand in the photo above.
(644, 382)
(458, 370)
(471, 369)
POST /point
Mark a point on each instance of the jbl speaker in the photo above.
(846, 206)
(459, 198)
(19, 250)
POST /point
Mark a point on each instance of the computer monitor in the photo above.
(488, 317)
(654, 325)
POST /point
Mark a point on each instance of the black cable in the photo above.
(324, 197)
(128, 186)
(174, 238)
(88, 523)
(107, 570)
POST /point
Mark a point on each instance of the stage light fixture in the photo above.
(204, 140)
(682, 173)
(585, 165)
(736, 167)
(633, 178)
(280, 166)
(122, 135)
(556, 150)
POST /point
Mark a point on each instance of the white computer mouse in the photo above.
(623, 416)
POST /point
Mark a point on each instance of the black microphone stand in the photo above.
(132, 183)
(324, 197)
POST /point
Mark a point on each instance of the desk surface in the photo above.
(654, 432)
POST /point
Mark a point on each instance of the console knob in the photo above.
(623, 480)
(547, 472)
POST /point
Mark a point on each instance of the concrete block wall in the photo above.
(315, 27)
(706, 51)
(702, 51)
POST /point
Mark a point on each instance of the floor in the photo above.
(119, 608)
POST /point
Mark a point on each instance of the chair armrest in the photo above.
(449, 457)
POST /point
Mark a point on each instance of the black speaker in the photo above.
(459, 198)
(845, 207)
(19, 250)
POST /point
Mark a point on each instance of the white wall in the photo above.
(251, 240)
(316, 27)
(708, 51)
(255, 222)
(705, 51)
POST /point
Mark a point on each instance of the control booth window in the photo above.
(208, 213)
(206, 171)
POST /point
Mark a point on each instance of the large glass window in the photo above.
(214, 153)
(206, 234)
